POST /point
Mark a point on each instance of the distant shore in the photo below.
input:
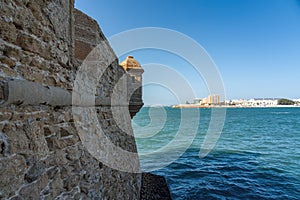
(232, 106)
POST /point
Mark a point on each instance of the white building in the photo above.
(255, 102)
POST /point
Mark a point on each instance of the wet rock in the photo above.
(154, 187)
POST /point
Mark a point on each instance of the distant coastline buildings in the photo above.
(263, 102)
(210, 100)
(214, 101)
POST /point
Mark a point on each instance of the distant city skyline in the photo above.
(254, 43)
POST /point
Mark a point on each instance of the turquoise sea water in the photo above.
(256, 157)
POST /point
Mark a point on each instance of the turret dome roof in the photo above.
(130, 63)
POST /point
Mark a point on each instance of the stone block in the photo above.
(7, 61)
(8, 31)
(32, 44)
(82, 49)
(12, 171)
(33, 190)
(17, 139)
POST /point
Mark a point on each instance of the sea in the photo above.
(256, 156)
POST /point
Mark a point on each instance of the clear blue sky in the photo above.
(254, 43)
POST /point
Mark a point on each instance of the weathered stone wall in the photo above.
(41, 153)
(36, 41)
(134, 84)
(87, 34)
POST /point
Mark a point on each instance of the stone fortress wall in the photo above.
(42, 45)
